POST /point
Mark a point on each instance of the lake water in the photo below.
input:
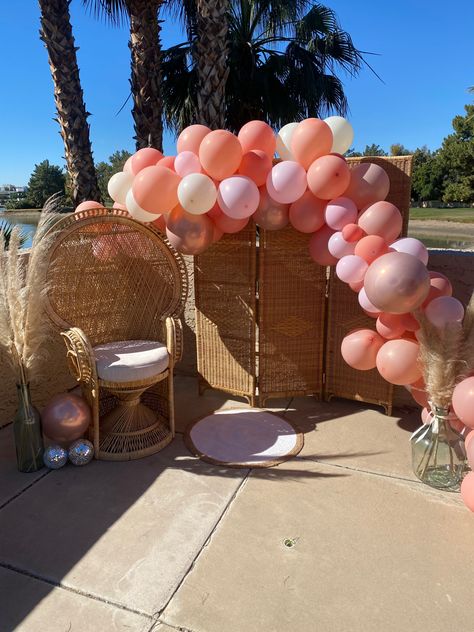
(28, 224)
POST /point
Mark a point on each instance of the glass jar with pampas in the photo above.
(24, 328)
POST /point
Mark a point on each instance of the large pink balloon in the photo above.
(270, 215)
(225, 223)
(191, 138)
(189, 234)
(220, 153)
(397, 283)
(65, 418)
(146, 157)
(369, 183)
(359, 349)
(383, 219)
(339, 247)
(397, 361)
(413, 247)
(463, 401)
(318, 247)
(307, 213)
(467, 490)
(257, 135)
(286, 182)
(238, 197)
(351, 269)
(444, 310)
(155, 189)
(340, 212)
(328, 177)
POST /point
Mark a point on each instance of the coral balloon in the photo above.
(167, 161)
(307, 213)
(189, 234)
(440, 285)
(191, 138)
(238, 197)
(197, 193)
(467, 490)
(356, 287)
(412, 247)
(220, 154)
(397, 361)
(390, 326)
(160, 223)
(119, 185)
(352, 232)
(383, 219)
(369, 183)
(463, 401)
(283, 141)
(155, 189)
(257, 135)
(444, 310)
(342, 133)
(146, 157)
(187, 162)
(270, 215)
(328, 177)
(339, 247)
(137, 212)
(225, 223)
(65, 418)
(286, 182)
(256, 165)
(88, 205)
(360, 348)
(311, 139)
(371, 248)
(397, 283)
(340, 212)
(351, 269)
(318, 247)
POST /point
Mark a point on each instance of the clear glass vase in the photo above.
(438, 453)
(27, 432)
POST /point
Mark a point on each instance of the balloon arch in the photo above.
(218, 181)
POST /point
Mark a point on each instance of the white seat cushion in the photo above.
(130, 360)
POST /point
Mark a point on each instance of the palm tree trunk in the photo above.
(213, 70)
(56, 33)
(145, 79)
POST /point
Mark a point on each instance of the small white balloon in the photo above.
(283, 141)
(118, 186)
(342, 132)
(197, 193)
(137, 212)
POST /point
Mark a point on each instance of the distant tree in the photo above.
(105, 170)
(45, 180)
(427, 176)
(374, 150)
(19, 201)
(397, 149)
(352, 153)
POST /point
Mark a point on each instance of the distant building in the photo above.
(10, 191)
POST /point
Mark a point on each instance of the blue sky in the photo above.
(424, 57)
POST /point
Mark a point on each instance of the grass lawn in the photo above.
(464, 215)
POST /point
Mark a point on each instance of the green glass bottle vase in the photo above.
(27, 432)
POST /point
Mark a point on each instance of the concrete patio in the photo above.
(171, 543)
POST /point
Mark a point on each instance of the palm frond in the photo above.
(6, 230)
(113, 11)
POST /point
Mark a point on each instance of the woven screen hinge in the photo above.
(324, 377)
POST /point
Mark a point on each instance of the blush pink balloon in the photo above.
(226, 223)
(307, 213)
(270, 215)
(397, 283)
(360, 348)
(256, 165)
(369, 183)
(467, 490)
(318, 247)
(444, 310)
(390, 326)
(286, 182)
(356, 287)
(146, 157)
(351, 269)
(366, 304)
(413, 247)
(189, 234)
(187, 162)
(257, 135)
(340, 212)
(397, 361)
(328, 177)
(238, 197)
(339, 247)
(191, 138)
(88, 205)
(463, 401)
(382, 219)
(155, 189)
(167, 161)
(469, 446)
(440, 285)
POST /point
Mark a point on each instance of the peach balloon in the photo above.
(270, 215)
(257, 135)
(397, 283)
(383, 219)
(397, 361)
(356, 287)
(167, 161)
(371, 248)
(256, 165)
(307, 213)
(88, 205)
(352, 233)
(463, 401)
(318, 247)
(467, 490)
(311, 139)
(369, 183)
(360, 348)
(220, 154)
(224, 222)
(146, 157)
(189, 234)
(328, 177)
(340, 212)
(160, 223)
(440, 285)
(191, 138)
(390, 326)
(155, 189)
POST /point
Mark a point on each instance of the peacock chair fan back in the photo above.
(113, 277)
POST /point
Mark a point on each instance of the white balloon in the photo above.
(412, 246)
(118, 186)
(283, 141)
(197, 193)
(136, 211)
(342, 132)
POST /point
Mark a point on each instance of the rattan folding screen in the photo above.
(269, 321)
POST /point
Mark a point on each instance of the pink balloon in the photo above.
(307, 213)
(286, 182)
(155, 189)
(191, 137)
(353, 232)
(257, 135)
(351, 269)
(187, 162)
(467, 490)
(383, 219)
(356, 287)
(318, 247)
(397, 361)
(128, 165)
(146, 157)
(440, 285)
(444, 310)
(189, 234)
(238, 197)
(88, 205)
(340, 212)
(390, 326)
(397, 283)
(463, 401)
(311, 139)
(225, 223)
(270, 215)
(167, 161)
(412, 247)
(360, 348)
(328, 177)
(469, 446)
(256, 165)
(339, 247)
(366, 304)
(369, 183)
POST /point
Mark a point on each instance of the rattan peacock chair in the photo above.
(116, 290)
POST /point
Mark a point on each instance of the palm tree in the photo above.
(284, 56)
(145, 51)
(56, 33)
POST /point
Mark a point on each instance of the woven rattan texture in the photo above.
(225, 280)
(345, 314)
